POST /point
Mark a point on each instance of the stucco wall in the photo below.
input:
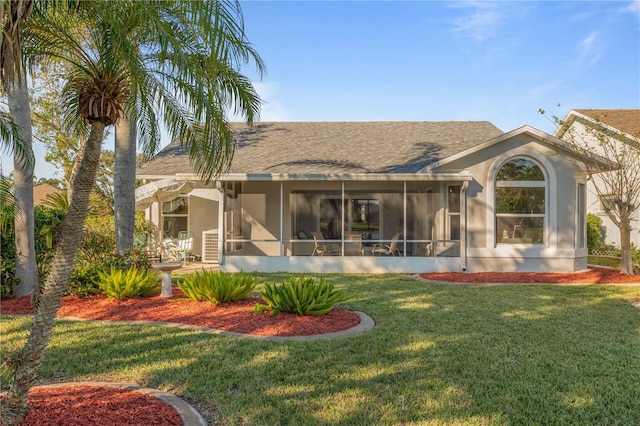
(558, 251)
(203, 214)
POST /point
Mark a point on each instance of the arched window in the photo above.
(521, 193)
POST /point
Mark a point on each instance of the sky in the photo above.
(497, 61)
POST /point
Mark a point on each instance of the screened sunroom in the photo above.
(404, 217)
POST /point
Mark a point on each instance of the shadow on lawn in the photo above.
(472, 355)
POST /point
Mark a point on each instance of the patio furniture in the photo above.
(303, 244)
(321, 247)
(184, 245)
(388, 249)
(353, 245)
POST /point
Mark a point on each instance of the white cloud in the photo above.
(540, 92)
(590, 49)
(480, 19)
(634, 7)
(272, 108)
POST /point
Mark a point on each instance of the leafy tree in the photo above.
(51, 181)
(103, 189)
(108, 75)
(49, 127)
(618, 180)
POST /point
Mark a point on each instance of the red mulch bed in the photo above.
(96, 406)
(101, 406)
(236, 316)
(593, 275)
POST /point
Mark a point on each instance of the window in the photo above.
(365, 217)
(453, 205)
(175, 214)
(607, 203)
(520, 203)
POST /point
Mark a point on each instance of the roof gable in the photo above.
(623, 120)
(336, 147)
(538, 135)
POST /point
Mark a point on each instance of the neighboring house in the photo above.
(620, 122)
(42, 191)
(383, 197)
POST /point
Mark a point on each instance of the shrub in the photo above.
(8, 280)
(217, 287)
(132, 282)
(99, 239)
(84, 280)
(301, 295)
(46, 225)
(595, 238)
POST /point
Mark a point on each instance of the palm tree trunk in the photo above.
(124, 184)
(20, 108)
(14, 406)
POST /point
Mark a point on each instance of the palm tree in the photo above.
(108, 75)
(124, 184)
(13, 81)
(220, 45)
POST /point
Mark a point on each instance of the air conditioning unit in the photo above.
(210, 246)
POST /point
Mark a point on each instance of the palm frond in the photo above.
(7, 205)
(12, 142)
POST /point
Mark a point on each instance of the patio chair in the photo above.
(388, 249)
(152, 248)
(321, 248)
(353, 245)
(184, 245)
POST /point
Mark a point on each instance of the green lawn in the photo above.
(604, 261)
(501, 355)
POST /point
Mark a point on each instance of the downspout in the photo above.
(222, 200)
(404, 218)
(281, 218)
(342, 219)
(463, 224)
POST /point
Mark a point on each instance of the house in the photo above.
(382, 197)
(622, 124)
(42, 191)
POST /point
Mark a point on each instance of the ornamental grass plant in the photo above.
(302, 295)
(217, 287)
(128, 283)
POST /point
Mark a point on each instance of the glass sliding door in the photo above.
(316, 210)
(374, 220)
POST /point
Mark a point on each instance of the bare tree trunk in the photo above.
(26, 272)
(626, 256)
(124, 184)
(14, 406)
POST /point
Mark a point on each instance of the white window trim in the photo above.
(551, 197)
(188, 215)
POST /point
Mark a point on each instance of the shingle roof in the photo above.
(337, 147)
(41, 191)
(626, 120)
